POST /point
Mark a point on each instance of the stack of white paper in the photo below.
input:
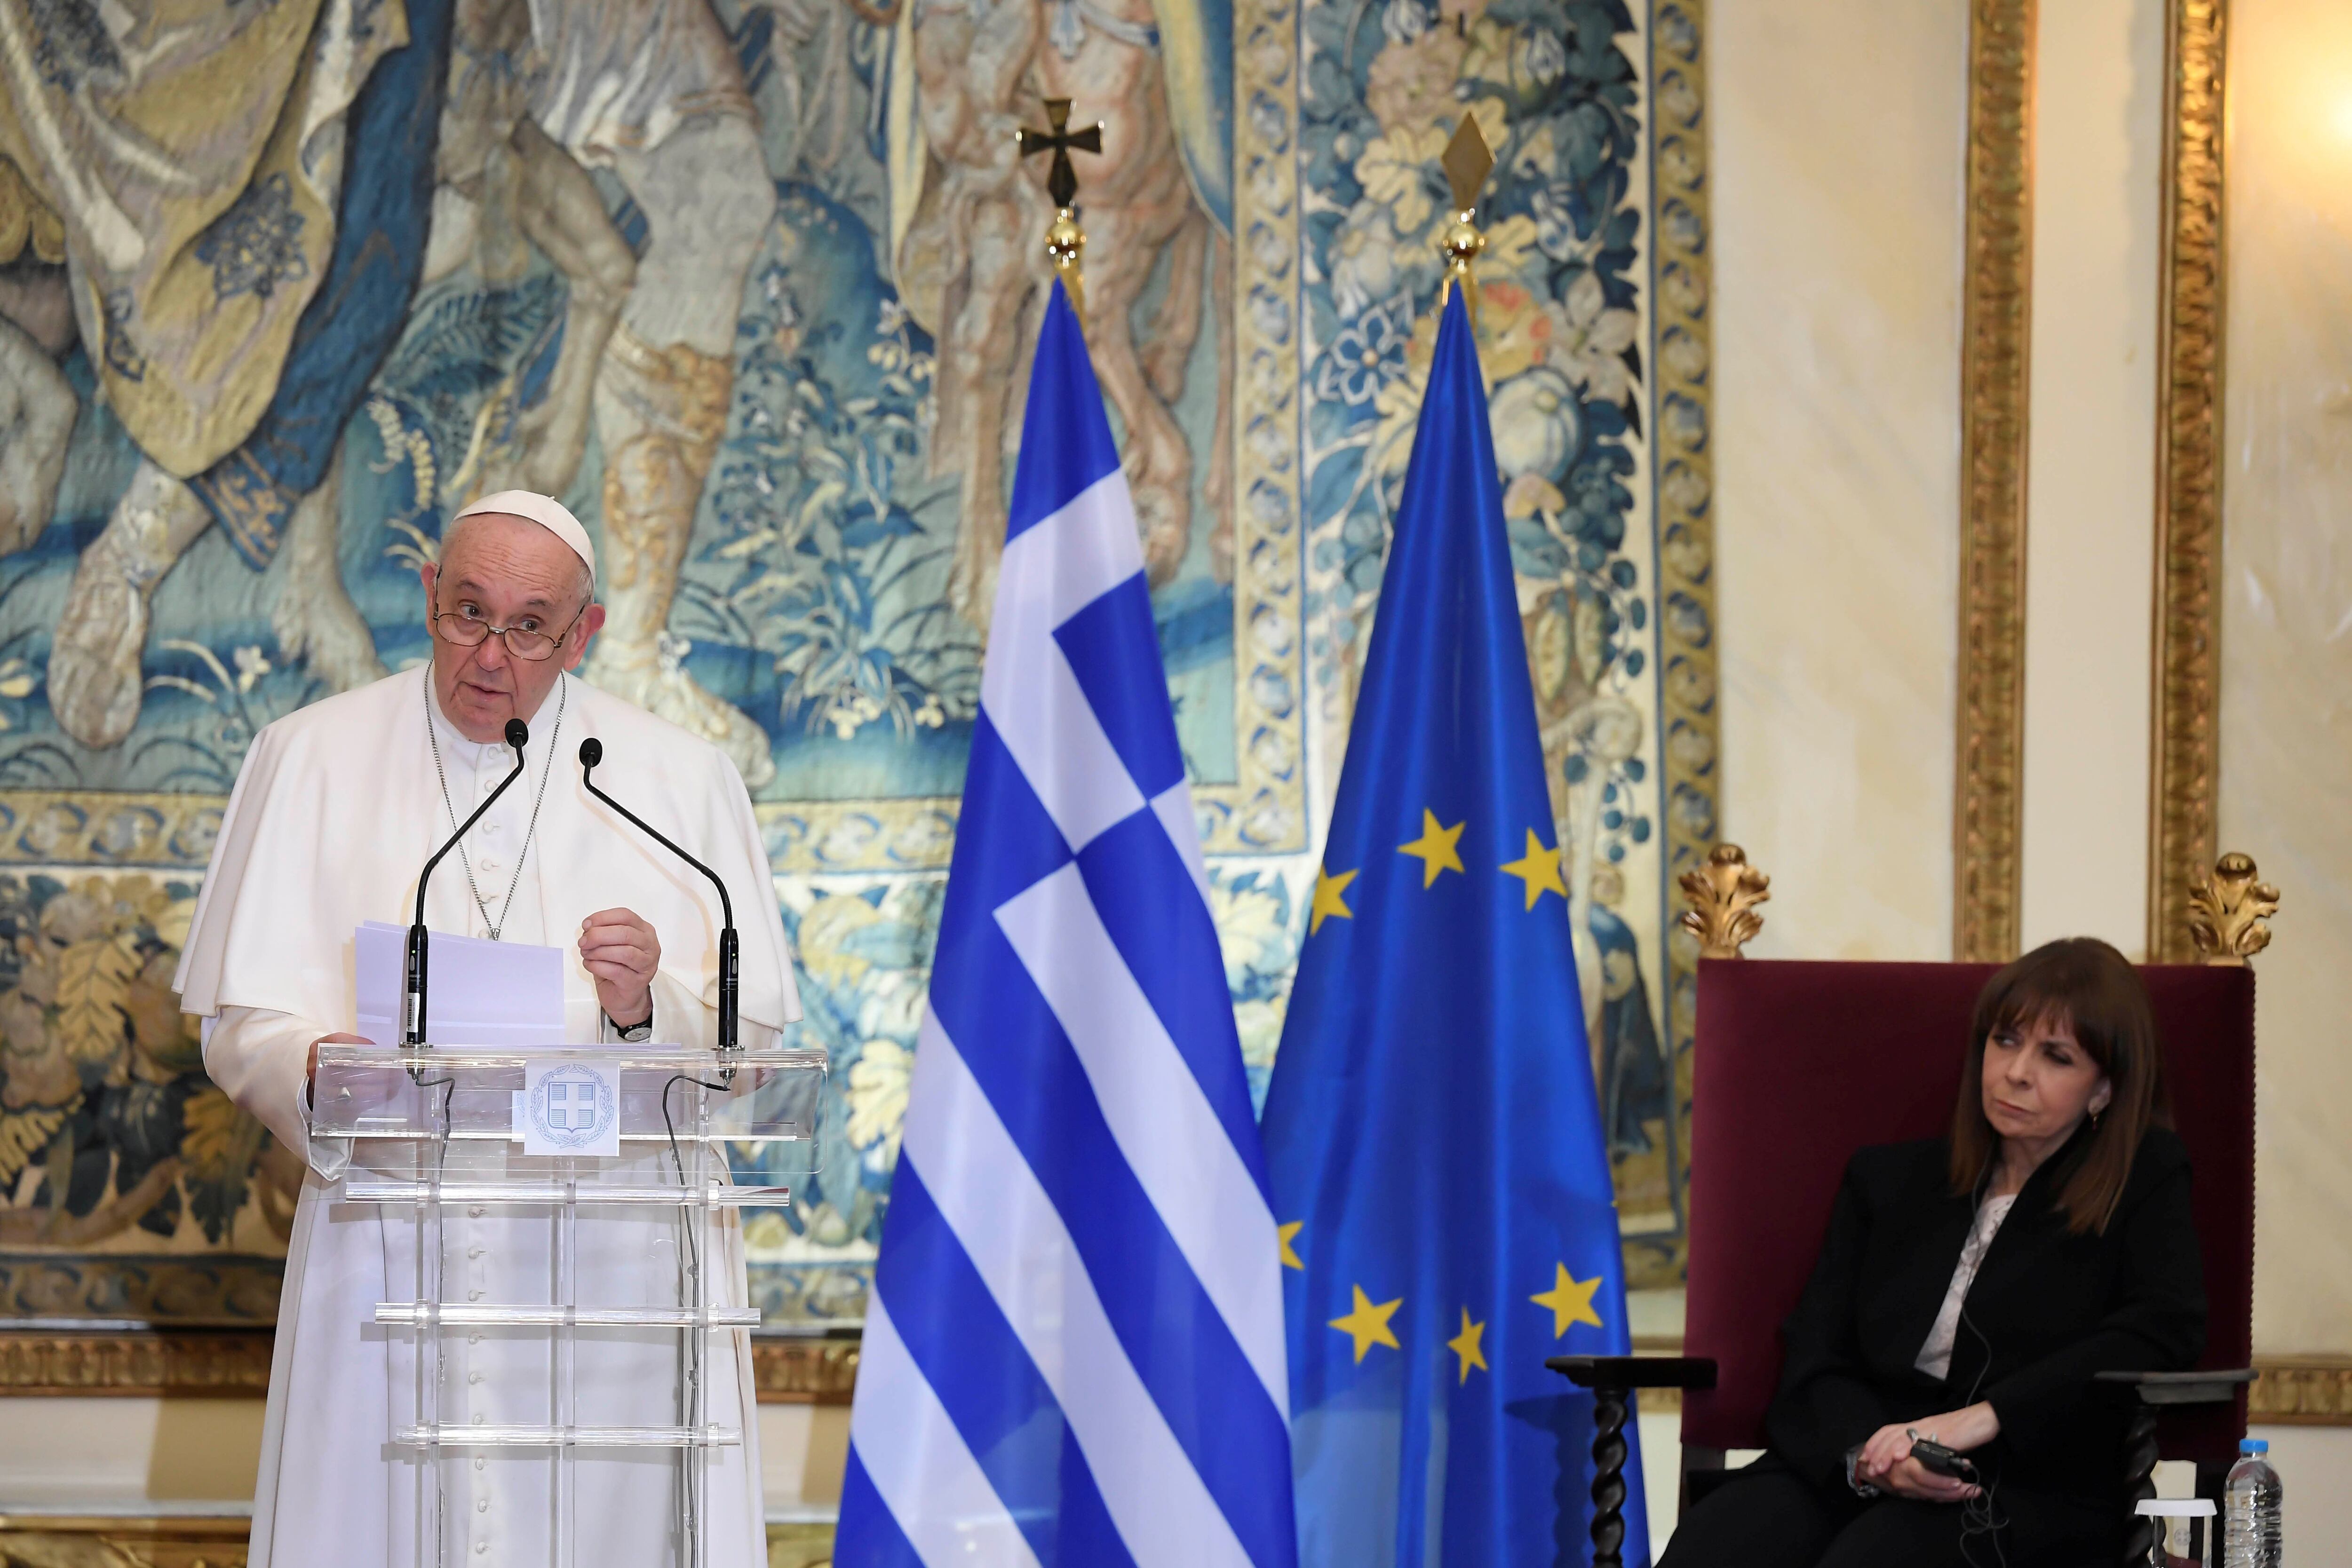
(477, 992)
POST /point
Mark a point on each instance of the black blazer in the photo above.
(2047, 1309)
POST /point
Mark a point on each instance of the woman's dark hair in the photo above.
(2098, 994)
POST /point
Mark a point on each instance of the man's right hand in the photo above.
(311, 1076)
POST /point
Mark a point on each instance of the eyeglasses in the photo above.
(465, 627)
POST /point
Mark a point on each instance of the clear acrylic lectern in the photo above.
(563, 1292)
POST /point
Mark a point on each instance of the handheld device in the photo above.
(1943, 1462)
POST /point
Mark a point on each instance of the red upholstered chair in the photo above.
(1796, 1065)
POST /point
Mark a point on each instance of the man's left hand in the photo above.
(621, 952)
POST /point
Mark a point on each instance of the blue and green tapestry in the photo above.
(752, 287)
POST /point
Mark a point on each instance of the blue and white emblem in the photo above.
(570, 1108)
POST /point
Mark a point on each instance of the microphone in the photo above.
(518, 736)
(591, 752)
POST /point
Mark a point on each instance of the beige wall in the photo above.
(2286, 631)
(2098, 115)
(1838, 158)
(121, 1452)
(1837, 147)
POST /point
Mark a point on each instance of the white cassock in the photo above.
(335, 811)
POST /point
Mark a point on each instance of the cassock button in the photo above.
(475, 1212)
(472, 1251)
(483, 1506)
(481, 1464)
(490, 862)
(473, 1377)
(473, 1295)
(480, 1547)
(473, 1339)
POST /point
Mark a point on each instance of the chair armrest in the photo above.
(1625, 1371)
(2202, 1388)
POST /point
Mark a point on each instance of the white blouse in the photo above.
(1936, 1355)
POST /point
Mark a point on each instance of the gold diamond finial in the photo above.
(1467, 164)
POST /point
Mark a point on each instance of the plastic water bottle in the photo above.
(2250, 1509)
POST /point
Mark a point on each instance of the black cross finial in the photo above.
(1062, 179)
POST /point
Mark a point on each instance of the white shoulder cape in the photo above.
(337, 808)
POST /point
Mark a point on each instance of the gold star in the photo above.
(1540, 870)
(1571, 1301)
(1281, 1238)
(1367, 1324)
(1328, 899)
(1436, 847)
(1466, 1345)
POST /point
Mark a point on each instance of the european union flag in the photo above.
(1432, 1132)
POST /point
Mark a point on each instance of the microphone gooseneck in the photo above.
(518, 736)
(591, 752)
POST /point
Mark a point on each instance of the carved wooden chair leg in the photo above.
(1608, 1476)
(2139, 1480)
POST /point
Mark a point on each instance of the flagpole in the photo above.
(1079, 1242)
(1467, 163)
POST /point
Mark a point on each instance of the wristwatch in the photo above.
(632, 1034)
(1861, 1487)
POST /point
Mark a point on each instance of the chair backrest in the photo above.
(1796, 1065)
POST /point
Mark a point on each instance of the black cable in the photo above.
(694, 1271)
(448, 1085)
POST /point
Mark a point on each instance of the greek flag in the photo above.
(1074, 1354)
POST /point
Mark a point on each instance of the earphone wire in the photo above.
(1979, 1515)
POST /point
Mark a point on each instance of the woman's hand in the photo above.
(1963, 1430)
(1886, 1461)
(1911, 1479)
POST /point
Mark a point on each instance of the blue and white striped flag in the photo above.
(1073, 1356)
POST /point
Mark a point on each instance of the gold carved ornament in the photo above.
(2230, 910)
(1996, 337)
(2183, 777)
(1723, 896)
(1688, 638)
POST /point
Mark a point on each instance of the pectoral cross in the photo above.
(1064, 239)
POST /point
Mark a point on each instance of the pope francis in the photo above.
(335, 811)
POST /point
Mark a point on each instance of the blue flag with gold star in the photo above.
(1434, 1141)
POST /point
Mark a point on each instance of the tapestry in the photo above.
(751, 285)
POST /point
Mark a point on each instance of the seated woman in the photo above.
(1967, 1289)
